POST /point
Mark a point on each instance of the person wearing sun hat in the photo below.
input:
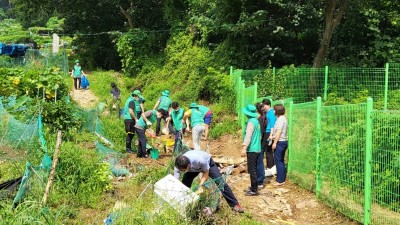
(196, 123)
(131, 118)
(164, 102)
(76, 73)
(252, 146)
(139, 101)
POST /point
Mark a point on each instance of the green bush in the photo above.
(81, 177)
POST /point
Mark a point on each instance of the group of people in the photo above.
(196, 119)
(266, 132)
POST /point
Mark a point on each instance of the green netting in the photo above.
(15, 133)
(113, 158)
(45, 59)
(386, 168)
(301, 169)
(342, 156)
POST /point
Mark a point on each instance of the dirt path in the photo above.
(84, 98)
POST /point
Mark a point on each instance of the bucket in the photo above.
(154, 153)
(169, 142)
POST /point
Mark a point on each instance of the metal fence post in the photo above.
(273, 82)
(290, 135)
(318, 183)
(386, 86)
(326, 83)
(368, 162)
(231, 70)
(255, 92)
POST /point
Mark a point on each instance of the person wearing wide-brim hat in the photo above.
(196, 123)
(164, 102)
(252, 146)
(139, 102)
(76, 73)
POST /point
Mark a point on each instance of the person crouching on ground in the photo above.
(196, 123)
(252, 146)
(195, 161)
(145, 122)
(280, 144)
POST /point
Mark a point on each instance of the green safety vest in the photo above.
(165, 103)
(137, 105)
(77, 71)
(196, 118)
(203, 109)
(177, 117)
(127, 115)
(152, 119)
(255, 142)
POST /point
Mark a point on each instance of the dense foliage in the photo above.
(244, 34)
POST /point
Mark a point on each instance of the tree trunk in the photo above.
(127, 15)
(334, 12)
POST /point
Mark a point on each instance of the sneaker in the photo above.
(251, 193)
(146, 156)
(260, 186)
(129, 151)
(278, 184)
(238, 208)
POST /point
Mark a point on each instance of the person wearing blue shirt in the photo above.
(271, 119)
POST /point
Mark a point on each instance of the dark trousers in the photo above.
(279, 155)
(269, 153)
(130, 132)
(158, 125)
(260, 167)
(77, 82)
(178, 143)
(142, 142)
(252, 169)
(214, 173)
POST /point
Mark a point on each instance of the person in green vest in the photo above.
(196, 122)
(76, 73)
(176, 116)
(139, 103)
(207, 119)
(131, 118)
(252, 146)
(144, 123)
(164, 102)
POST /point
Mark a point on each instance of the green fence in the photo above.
(348, 154)
(335, 85)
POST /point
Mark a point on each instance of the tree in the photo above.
(334, 11)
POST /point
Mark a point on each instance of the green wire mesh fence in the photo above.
(344, 151)
(385, 167)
